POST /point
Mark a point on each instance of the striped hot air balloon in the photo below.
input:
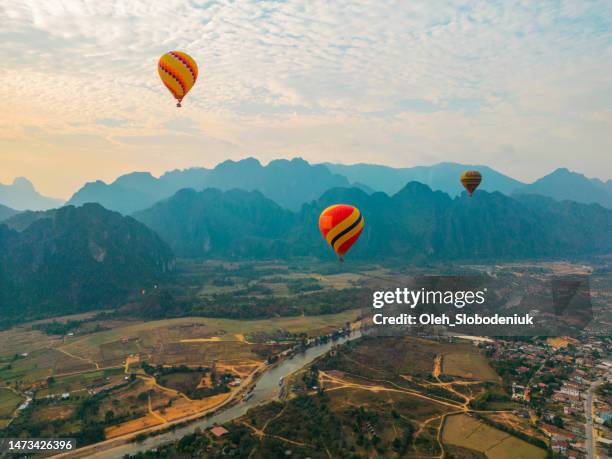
(179, 72)
(470, 181)
(341, 225)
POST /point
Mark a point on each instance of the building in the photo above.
(219, 431)
(570, 389)
(557, 434)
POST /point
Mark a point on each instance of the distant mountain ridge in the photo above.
(563, 184)
(6, 212)
(560, 185)
(21, 195)
(415, 224)
(71, 260)
(442, 176)
(290, 183)
(138, 190)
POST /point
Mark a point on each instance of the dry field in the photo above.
(468, 364)
(103, 360)
(467, 432)
(134, 425)
(516, 423)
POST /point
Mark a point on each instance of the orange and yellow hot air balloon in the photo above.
(470, 181)
(341, 225)
(179, 72)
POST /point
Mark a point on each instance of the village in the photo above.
(565, 386)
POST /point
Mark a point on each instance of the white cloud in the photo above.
(391, 82)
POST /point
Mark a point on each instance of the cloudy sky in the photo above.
(522, 86)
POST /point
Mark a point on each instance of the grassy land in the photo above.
(155, 340)
(392, 357)
(81, 381)
(40, 364)
(467, 432)
(410, 407)
(175, 330)
(185, 382)
(8, 402)
(469, 365)
(91, 368)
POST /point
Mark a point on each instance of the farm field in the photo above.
(385, 397)
(40, 364)
(468, 365)
(516, 423)
(110, 348)
(9, 401)
(81, 381)
(146, 334)
(95, 384)
(416, 357)
(467, 432)
(59, 411)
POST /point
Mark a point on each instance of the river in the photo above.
(266, 389)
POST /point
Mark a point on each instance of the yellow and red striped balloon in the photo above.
(341, 225)
(179, 72)
(470, 181)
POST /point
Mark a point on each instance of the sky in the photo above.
(522, 86)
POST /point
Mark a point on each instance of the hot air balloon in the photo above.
(179, 72)
(341, 225)
(470, 181)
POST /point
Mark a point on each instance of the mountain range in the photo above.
(415, 224)
(138, 190)
(21, 195)
(6, 212)
(224, 224)
(292, 183)
(442, 176)
(76, 259)
(563, 184)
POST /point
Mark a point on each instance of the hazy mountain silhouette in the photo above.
(442, 176)
(288, 183)
(21, 195)
(292, 183)
(6, 212)
(74, 259)
(138, 190)
(415, 224)
(563, 184)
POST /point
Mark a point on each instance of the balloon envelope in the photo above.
(179, 72)
(341, 225)
(470, 181)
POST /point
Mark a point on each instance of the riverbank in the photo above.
(262, 384)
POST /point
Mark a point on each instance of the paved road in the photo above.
(589, 427)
